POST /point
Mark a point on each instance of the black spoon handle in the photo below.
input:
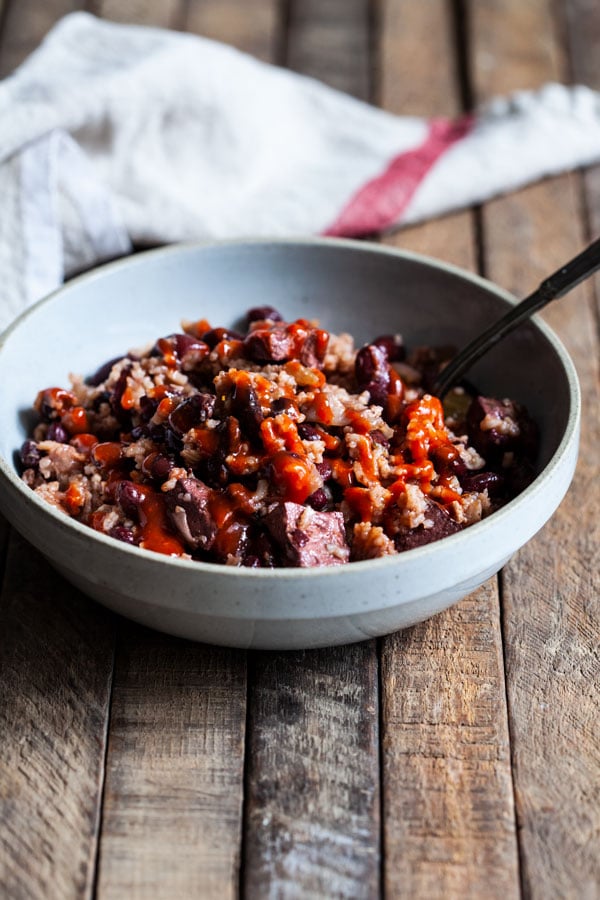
(557, 285)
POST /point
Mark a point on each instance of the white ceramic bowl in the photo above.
(349, 286)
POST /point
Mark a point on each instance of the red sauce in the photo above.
(293, 476)
(305, 376)
(75, 420)
(343, 472)
(232, 525)
(168, 352)
(127, 398)
(155, 532)
(197, 329)
(84, 443)
(107, 455)
(281, 433)
(322, 409)
(425, 427)
(364, 448)
(55, 398)
(360, 503)
(74, 499)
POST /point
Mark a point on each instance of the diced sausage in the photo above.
(306, 537)
(438, 524)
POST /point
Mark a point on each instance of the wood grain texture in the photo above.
(26, 23)
(418, 74)
(157, 13)
(551, 588)
(174, 787)
(330, 40)
(56, 657)
(255, 29)
(312, 817)
(449, 828)
(173, 796)
(582, 30)
(312, 811)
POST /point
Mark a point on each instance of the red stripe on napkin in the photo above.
(380, 203)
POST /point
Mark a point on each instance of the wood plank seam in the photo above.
(381, 761)
(100, 817)
(245, 825)
(509, 725)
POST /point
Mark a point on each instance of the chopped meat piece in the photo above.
(188, 510)
(268, 344)
(278, 342)
(307, 537)
(60, 462)
(438, 524)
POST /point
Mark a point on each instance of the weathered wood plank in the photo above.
(313, 799)
(26, 22)
(173, 797)
(56, 657)
(418, 75)
(254, 30)
(551, 588)
(172, 817)
(312, 812)
(330, 40)
(449, 818)
(158, 13)
(449, 814)
(582, 20)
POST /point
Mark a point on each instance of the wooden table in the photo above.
(459, 758)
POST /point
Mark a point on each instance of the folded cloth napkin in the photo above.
(113, 134)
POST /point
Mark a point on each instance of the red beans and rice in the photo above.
(282, 446)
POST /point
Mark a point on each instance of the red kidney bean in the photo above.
(393, 346)
(246, 407)
(193, 411)
(261, 313)
(321, 500)
(157, 466)
(481, 481)
(117, 394)
(283, 405)
(30, 455)
(123, 534)
(216, 335)
(148, 406)
(324, 469)
(130, 498)
(378, 392)
(103, 372)
(186, 345)
(52, 403)
(56, 432)
(378, 437)
(308, 432)
(372, 372)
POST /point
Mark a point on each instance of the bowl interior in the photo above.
(347, 286)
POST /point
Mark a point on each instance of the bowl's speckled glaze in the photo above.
(349, 286)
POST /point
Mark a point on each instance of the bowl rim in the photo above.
(571, 431)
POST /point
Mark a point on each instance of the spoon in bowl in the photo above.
(557, 285)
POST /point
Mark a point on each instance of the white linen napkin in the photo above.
(113, 134)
